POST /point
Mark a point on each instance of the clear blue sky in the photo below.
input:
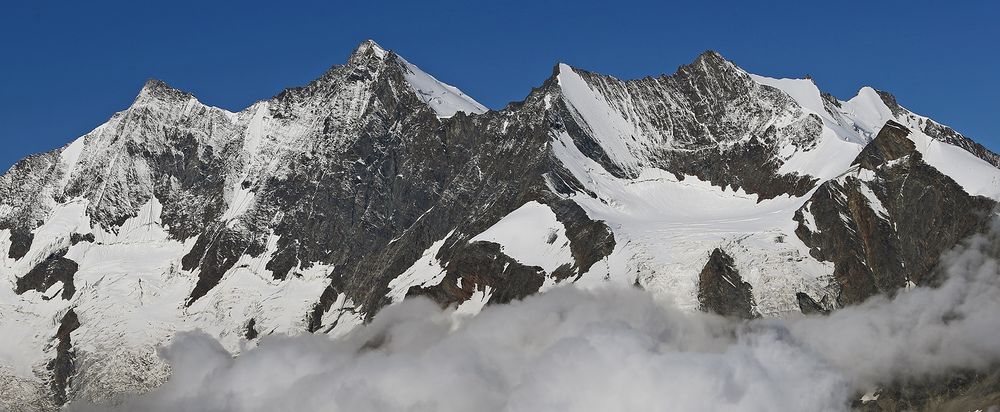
(68, 65)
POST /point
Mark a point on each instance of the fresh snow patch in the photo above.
(531, 235)
(476, 302)
(803, 91)
(426, 271)
(343, 316)
(69, 157)
(808, 219)
(868, 111)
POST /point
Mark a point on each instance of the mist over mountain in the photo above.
(608, 348)
(378, 240)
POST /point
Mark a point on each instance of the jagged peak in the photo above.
(711, 61)
(370, 62)
(371, 45)
(158, 90)
(561, 70)
(368, 50)
(711, 55)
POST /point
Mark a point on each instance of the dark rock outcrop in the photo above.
(721, 290)
(479, 265)
(20, 244)
(76, 238)
(808, 305)
(55, 268)
(63, 365)
(251, 330)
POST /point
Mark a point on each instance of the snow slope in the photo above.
(532, 236)
(446, 100)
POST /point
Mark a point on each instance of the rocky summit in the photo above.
(310, 211)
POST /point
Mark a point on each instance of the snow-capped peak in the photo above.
(155, 89)
(370, 47)
(868, 109)
(444, 99)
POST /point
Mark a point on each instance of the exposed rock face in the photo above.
(721, 290)
(20, 243)
(63, 365)
(809, 306)
(590, 240)
(312, 210)
(251, 330)
(55, 268)
(481, 265)
(709, 120)
(886, 221)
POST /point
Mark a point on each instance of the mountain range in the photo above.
(310, 211)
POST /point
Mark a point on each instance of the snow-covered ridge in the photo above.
(857, 121)
(708, 105)
(445, 99)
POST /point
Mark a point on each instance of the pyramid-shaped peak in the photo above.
(369, 48)
(711, 55)
(713, 60)
(155, 89)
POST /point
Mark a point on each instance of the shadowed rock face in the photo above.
(20, 243)
(809, 306)
(479, 265)
(713, 113)
(887, 220)
(55, 268)
(19, 189)
(721, 290)
(63, 365)
(251, 330)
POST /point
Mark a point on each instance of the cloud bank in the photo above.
(600, 350)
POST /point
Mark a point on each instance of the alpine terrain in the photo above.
(726, 191)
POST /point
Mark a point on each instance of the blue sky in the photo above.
(68, 66)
